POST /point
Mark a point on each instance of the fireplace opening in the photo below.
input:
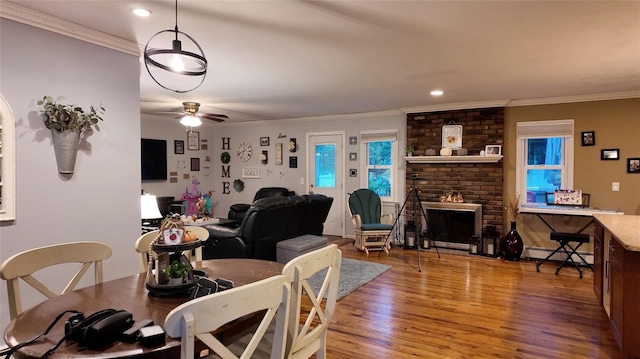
(452, 223)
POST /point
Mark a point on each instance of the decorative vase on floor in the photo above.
(65, 146)
(512, 244)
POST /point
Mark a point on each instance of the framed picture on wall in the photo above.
(588, 138)
(452, 136)
(195, 164)
(193, 140)
(264, 141)
(633, 165)
(610, 154)
(178, 147)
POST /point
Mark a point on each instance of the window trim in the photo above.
(377, 136)
(8, 162)
(544, 129)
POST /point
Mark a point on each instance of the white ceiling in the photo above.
(273, 59)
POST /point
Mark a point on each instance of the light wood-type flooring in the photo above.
(468, 306)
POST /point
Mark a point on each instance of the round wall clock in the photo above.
(244, 151)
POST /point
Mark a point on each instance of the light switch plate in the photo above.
(615, 186)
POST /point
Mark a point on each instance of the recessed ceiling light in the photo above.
(141, 12)
(437, 93)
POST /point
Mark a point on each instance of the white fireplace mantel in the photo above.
(453, 159)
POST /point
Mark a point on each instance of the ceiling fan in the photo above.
(191, 114)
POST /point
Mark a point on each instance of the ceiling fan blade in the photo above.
(218, 118)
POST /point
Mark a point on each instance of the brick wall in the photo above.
(478, 182)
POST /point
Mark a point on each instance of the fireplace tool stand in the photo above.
(415, 197)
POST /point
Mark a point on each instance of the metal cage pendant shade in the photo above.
(175, 65)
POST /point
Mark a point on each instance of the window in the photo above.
(379, 149)
(544, 158)
(7, 163)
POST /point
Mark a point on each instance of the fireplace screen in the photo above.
(452, 222)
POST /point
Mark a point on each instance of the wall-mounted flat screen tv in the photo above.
(154, 159)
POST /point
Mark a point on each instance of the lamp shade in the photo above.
(149, 207)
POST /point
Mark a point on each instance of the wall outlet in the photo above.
(301, 180)
(615, 186)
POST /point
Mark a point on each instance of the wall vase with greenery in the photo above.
(68, 123)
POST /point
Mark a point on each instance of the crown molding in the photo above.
(579, 98)
(455, 106)
(37, 19)
(338, 117)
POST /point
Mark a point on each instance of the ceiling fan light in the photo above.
(191, 121)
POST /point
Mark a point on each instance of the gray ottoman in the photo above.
(288, 249)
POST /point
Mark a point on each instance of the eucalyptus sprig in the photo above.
(61, 117)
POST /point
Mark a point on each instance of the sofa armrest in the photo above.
(224, 242)
(220, 232)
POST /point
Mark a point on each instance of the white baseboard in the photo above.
(542, 253)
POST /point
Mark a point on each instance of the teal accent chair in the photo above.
(371, 226)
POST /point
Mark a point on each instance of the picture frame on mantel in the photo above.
(452, 136)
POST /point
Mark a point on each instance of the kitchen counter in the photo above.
(625, 228)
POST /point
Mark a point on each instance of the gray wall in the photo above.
(100, 202)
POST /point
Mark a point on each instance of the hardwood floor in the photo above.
(467, 306)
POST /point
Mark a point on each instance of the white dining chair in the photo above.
(25, 264)
(307, 330)
(198, 318)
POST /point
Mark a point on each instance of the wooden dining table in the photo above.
(128, 293)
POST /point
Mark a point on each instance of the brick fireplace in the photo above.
(480, 183)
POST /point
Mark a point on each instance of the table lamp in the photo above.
(149, 208)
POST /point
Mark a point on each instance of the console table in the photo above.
(616, 276)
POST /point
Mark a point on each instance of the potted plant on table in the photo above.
(176, 271)
(67, 123)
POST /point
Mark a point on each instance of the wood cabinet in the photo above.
(617, 285)
(598, 260)
(624, 272)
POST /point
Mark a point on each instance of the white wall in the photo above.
(100, 202)
(270, 174)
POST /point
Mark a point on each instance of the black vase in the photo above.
(512, 245)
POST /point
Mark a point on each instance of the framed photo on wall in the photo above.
(193, 140)
(178, 147)
(195, 163)
(264, 141)
(610, 154)
(452, 136)
(633, 165)
(588, 138)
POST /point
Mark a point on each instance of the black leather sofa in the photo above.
(268, 221)
(238, 210)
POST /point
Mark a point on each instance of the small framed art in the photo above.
(588, 138)
(493, 150)
(610, 154)
(250, 173)
(633, 165)
(193, 140)
(195, 164)
(452, 136)
(178, 147)
(264, 141)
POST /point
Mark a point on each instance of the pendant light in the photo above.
(181, 67)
